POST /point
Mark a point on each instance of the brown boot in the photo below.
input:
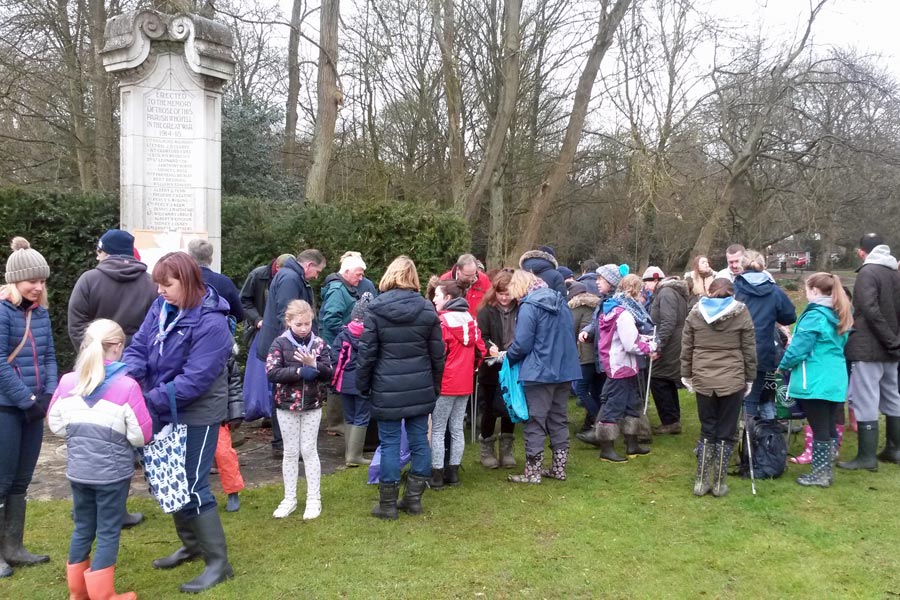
(488, 457)
(507, 460)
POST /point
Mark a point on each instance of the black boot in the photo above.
(412, 497)
(387, 501)
(207, 527)
(820, 473)
(5, 569)
(14, 533)
(891, 452)
(721, 460)
(451, 475)
(631, 428)
(704, 468)
(868, 444)
(588, 423)
(189, 550)
(437, 479)
(606, 437)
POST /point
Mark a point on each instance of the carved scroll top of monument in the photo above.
(129, 37)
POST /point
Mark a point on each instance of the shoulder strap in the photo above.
(173, 408)
(21, 345)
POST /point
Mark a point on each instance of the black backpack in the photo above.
(769, 447)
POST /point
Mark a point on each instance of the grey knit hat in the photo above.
(611, 273)
(25, 263)
(361, 308)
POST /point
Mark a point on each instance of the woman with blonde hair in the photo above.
(27, 381)
(101, 413)
(400, 364)
(816, 360)
(545, 348)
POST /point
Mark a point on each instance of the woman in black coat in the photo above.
(399, 366)
(497, 322)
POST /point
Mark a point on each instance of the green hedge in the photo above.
(64, 227)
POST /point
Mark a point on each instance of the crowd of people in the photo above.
(159, 348)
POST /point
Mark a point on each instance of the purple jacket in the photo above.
(192, 356)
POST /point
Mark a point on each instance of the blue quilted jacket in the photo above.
(33, 371)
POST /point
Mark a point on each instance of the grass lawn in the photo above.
(611, 531)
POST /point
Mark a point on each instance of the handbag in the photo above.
(164, 460)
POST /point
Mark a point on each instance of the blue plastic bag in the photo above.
(257, 397)
(405, 456)
(513, 392)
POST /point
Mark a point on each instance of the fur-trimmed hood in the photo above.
(539, 254)
(589, 300)
(677, 284)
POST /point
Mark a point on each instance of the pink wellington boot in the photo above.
(852, 414)
(840, 439)
(806, 457)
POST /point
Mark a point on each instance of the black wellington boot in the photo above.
(207, 527)
(411, 502)
(437, 479)
(14, 534)
(820, 473)
(868, 443)
(5, 569)
(189, 550)
(387, 501)
(451, 475)
(704, 468)
(891, 452)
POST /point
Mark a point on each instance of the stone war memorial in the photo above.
(171, 71)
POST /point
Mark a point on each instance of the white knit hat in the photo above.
(351, 260)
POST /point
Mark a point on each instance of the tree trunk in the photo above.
(445, 34)
(550, 188)
(506, 107)
(75, 98)
(293, 91)
(104, 142)
(329, 98)
(497, 228)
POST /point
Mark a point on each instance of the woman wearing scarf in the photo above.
(183, 346)
(544, 344)
(623, 338)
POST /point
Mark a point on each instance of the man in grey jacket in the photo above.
(874, 351)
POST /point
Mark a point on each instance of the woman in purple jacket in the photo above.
(183, 346)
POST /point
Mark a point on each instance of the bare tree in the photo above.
(543, 199)
(329, 99)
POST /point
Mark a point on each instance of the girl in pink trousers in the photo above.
(101, 413)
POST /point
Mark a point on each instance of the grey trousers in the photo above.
(547, 415)
(452, 410)
(873, 388)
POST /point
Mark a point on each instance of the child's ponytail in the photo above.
(830, 285)
(98, 337)
(841, 305)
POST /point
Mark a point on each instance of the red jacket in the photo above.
(475, 292)
(464, 348)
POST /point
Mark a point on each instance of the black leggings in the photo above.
(822, 417)
(491, 405)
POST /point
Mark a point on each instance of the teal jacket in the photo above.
(815, 357)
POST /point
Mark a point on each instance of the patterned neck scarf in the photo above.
(164, 329)
(637, 310)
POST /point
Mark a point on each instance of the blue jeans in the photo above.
(417, 435)
(622, 399)
(760, 402)
(98, 511)
(589, 388)
(357, 410)
(20, 445)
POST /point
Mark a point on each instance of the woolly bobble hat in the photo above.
(653, 273)
(361, 308)
(613, 273)
(25, 263)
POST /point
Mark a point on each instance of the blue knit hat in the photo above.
(116, 241)
(566, 272)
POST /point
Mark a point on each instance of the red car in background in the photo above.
(801, 262)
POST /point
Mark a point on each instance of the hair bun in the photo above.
(19, 243)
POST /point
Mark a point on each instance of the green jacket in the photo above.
(815, 357)
(338, 300)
